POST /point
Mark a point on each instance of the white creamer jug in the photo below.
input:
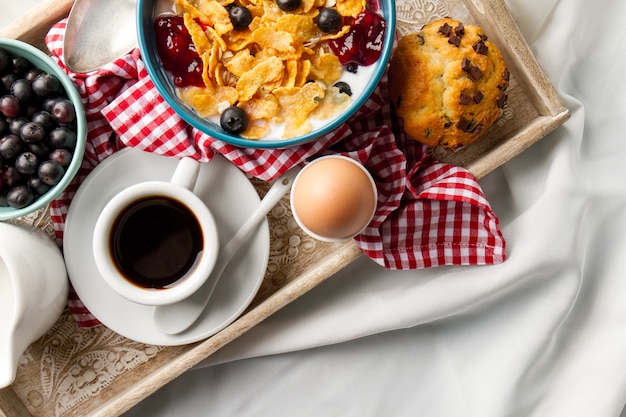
(33, 292)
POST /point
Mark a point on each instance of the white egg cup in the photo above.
(353, 233)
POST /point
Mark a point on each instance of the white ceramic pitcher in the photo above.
(33, 292)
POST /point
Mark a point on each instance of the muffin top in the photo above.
(447, 83)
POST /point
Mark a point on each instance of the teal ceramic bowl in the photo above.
(147, 10)
(42, 61)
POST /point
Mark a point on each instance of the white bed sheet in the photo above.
(543, 334)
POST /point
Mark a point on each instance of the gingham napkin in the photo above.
(429, 213)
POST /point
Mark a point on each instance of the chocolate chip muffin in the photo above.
(448, 83)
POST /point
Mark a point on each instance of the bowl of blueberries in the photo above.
(270, 75)
(42, 129)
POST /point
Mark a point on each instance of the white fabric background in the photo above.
(543, 334)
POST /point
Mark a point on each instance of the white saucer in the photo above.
(230, 196)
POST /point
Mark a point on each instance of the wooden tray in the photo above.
(95, 372)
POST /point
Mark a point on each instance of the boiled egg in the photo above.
(333, 198)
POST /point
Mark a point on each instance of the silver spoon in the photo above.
(178, 317)
(98, 32)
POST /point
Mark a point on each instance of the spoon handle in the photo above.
(178, 317)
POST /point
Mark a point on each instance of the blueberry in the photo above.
(8, 79)
(234, 120)
(32, 132)
(240, 17)
(40, 149)
(50, 172)
(16, 124)
(45, 119)
(343, 87)
(329, 20)
(48, 103)
(37, 185)
(22, 90)
(10, 106)
(32, 73)
(20, 65)
(26, 163)
(62, 137)
(10, 146)
(352, 67)
(62, 156)
(63, 112)
(20, 196)
(46, 85)
(288, 5)
(11, 176)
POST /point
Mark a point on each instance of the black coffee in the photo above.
(155, 241)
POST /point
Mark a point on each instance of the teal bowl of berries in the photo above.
(270, 74)
(42, 129)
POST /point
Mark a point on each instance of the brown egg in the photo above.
(333, 198)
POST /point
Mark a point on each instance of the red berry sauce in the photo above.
(363, 44)
(177, 51)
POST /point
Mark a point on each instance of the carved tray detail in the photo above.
(412, 15)
(75, 364)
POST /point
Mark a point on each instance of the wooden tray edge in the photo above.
(11, 405)
(516, 144)
(546, 97)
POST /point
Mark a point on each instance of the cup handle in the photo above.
(186, 173)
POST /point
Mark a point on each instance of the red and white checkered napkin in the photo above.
(429, 213)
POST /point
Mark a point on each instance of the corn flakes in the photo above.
(299, 103)
(209, 13)
(291, 73)
(350, 7)
(334, 102)
(327, 68)
(268, 70)
(276, 43)
(257, 131)
(301, 26)
(242, 62)
(266, 108)
(205, 102)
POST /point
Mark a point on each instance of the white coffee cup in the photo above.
(156, 242)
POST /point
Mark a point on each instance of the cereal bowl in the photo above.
(37, 186)
(362, 79)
